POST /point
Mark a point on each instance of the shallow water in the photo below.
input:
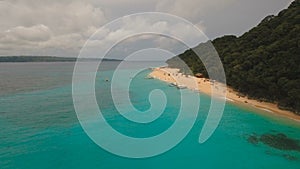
(39, 127)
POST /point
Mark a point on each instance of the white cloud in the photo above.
(191, 9)
(156, 30)
(57, 25)
(60, 16)
(62, 27)
(34, 33)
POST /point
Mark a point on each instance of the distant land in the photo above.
(46, 59)
(262, 64)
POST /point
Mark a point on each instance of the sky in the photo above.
(61, 28)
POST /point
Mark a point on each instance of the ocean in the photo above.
(40, 129)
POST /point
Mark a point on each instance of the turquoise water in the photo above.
(39, 129)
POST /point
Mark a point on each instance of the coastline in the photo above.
(172, 76)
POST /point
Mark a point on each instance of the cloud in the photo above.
(34, 33)
(55, 27)
(143, 31)
(191, 9)
(60, 16)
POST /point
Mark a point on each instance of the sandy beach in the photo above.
(206, 86)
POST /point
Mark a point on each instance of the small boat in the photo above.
(172, 84)
(181, 87)
(149, 77)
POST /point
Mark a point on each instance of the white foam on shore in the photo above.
(229, 99)
(267, 110)
(294, 119)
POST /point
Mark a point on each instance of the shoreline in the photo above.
(172, 76)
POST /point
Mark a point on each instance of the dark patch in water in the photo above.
(280, 141)
(286, 156)
(290, 157)
(253, 139)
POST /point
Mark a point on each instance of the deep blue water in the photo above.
(39, 127)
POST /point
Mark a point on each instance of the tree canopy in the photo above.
(263, 63)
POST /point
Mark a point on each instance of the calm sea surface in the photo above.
(39, 127)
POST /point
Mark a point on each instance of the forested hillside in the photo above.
(263, 63)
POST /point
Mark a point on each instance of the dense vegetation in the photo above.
(264, 63)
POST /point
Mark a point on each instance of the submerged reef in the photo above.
(278, 141)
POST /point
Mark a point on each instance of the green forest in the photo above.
(263, 63)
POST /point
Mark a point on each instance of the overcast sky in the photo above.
(60, 28)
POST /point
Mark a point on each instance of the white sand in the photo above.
(171, 75)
